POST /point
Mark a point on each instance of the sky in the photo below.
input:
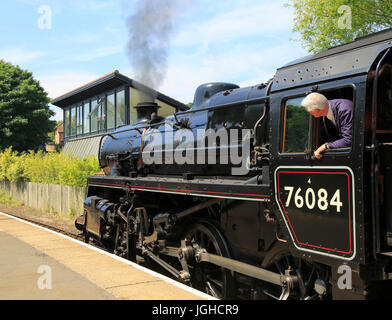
(66, 44)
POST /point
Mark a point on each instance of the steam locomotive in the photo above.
(288, 226)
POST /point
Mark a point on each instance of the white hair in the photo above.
(315, 101)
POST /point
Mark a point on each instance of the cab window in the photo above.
(301, 132)
(296, 124)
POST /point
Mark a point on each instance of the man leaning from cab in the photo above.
(337, 117)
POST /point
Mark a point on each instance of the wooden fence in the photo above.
(63, 200)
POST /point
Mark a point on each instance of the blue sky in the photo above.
(238, 41)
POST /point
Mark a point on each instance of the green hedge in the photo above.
(51, 168)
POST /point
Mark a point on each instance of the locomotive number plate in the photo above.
(317, 205)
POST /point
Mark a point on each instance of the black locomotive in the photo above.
(288, 226)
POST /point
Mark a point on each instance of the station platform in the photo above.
(40, 264)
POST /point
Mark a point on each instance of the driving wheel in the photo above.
(211, 279)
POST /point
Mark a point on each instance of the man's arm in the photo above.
(319, 152)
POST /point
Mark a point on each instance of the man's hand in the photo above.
(318, 154)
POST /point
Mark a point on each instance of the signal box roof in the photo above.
(109, 82)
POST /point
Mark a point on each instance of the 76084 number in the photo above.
(311, 198)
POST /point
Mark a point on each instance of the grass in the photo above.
(72, 213)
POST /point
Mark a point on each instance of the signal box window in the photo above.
(67, 127)
(296, 124)
(73, 121)
(86, 117)
(164, 109)
(120, 108)
(94, 116)
(111, 109)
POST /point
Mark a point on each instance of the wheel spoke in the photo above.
(212, 290)
(278, 267)
(270, 295)
(216, 282)
(311, 274)
(202, 241)
(287, 261)
(197, 237)
(209, 243)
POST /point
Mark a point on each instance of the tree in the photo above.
(24, 111)
(327, 23)
(51, 133)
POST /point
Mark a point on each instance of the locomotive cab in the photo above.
(338, 207)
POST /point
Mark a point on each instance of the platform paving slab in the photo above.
(78, 271)
(19, 275)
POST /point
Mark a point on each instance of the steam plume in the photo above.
(150, 28)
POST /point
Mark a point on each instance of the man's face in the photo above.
(317, 113)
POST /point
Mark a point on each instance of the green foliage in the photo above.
(51, 168)
(7, 200)
(51, 137)
(11, 166)
(72, 214)
(24, 110)
(318, 20)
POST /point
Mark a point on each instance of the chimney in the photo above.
(145, 110)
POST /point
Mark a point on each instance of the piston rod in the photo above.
(258, 273)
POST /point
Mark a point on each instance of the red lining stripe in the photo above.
(184, 190)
